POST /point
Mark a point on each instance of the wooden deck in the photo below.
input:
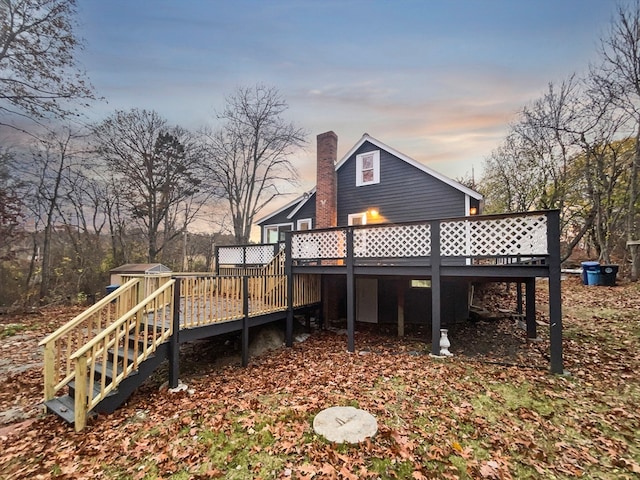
(95, 353)
(517, 247)
(145, 320)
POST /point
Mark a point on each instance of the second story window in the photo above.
(368, 168)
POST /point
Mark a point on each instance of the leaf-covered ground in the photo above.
(492, 411)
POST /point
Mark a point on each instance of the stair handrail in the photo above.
(85, 357)
(52, 364)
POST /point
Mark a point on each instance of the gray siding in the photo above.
(404, 193)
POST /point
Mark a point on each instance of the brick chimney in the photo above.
(326, 183)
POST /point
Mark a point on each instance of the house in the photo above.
(376, 184)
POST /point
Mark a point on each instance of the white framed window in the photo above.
(275, 233)
(304, 224)
(358, 218)
(368, 168)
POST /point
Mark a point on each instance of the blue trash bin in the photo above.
(112, 288)
(593, 277)
(586, 267)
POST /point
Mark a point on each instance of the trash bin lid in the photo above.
(590, 264)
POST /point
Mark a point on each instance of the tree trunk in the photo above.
(632, 233)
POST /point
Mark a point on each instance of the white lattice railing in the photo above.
(517, 235)
(396, 241)
(319, 245)
(494, 237)
(247, 254)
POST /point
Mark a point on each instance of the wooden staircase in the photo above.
(94, 362)
(64, 406)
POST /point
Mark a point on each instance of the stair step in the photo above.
(96, 386)
(63, 406)
(119, 354)
(106, 369)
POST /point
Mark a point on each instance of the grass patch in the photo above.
(11, 329)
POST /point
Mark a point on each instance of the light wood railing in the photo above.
(267, 294)
(208, 299)
(306, 290)
(138, 331)
(59, 370)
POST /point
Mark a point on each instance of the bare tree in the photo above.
(562, 154)
(619, 76)
(11, 207)
(157, 170)
(52, 162)
(38, 72)
(249, 156)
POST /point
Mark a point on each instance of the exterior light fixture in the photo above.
(473, 210)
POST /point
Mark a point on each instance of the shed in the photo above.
(115, 277)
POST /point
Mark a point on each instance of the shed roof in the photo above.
(141, 268)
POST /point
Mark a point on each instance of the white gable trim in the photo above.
(410, 161)
(281, 209)
(302, 203)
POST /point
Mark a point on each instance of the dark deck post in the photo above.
(245, 321)
(174, 343)
(288, 269)
(519, 298)
(530, 294)
(351, 304)
(555, 293)
(216, 258)
(400, 294)
(435, 288)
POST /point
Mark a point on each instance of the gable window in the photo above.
(368, 168)
(304, 224)
(275, 233)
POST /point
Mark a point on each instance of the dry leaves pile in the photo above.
(485, 413)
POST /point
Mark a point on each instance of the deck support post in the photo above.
(530, 295)
(245, 321)
(174, 343)
(288, 268)
(400, 309)
(435, 288)
(351, 310)
(555, 294)
(519, 298)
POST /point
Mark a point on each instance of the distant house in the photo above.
(374, 183)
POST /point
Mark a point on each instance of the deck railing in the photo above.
(246, 256)
(106, 361)
(59, 370)
(306, 290)
(472, 238)
(208, 299)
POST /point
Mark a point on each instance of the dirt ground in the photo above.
(491, 411)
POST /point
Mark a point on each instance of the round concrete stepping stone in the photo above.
(345, 424)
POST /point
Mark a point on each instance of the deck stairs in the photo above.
(95, 362)
(64, 406)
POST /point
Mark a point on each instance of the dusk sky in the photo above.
(438, 80)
